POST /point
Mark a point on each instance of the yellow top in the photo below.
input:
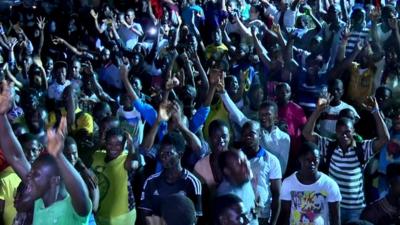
(9, 182)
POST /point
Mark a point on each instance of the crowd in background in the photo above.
(207, 112)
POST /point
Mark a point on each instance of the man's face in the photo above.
(32, 150)
(49, 65)
(36, 121)
(23, 201)
(238, 169)
(232, 87)
(310, 161)
(219, 139)
(38, 180)
(344, 134)
(71, 153)
(114, 146)
(61, 75)
(130, 16)
(383, 97)
(168, 156)
(267, 116)
(76, 67)
(105, 55)
(283, 94)
(235, 215)
(336, 90)
(250, 138)
(137, 85)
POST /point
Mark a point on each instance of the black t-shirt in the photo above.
(156, 187)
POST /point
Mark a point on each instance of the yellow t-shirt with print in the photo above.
(113, 184)
(9, 182)
(361, 84)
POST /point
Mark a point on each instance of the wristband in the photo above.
(374, 110)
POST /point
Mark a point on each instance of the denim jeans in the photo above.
(349, 214)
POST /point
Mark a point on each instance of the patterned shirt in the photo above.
(346, 170)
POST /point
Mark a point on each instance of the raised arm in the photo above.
(9, 143)
(41, 22)
(73, 181)
(96, 22)
(235, 114)
(261, 51)
(132, 161)
(308, 130)
(383, 134)
(58, 40)
(340, 66)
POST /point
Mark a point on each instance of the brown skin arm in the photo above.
(334, 213)
(276, 203)
(285, 212)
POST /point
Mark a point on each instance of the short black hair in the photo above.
(115, 131)
(344, 121)
(48, 160)
(177, 209)
(269, 103)
(175, 139)
(222, 203)
(306, 148)
(216, 125)
(69, 141)
(27, 137)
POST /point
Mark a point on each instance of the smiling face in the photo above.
(42, 177)
(344, 133)
(114, 146)
(267, 116)
(219, 139)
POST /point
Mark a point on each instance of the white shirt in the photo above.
(55, 90)
(277, 142)
(309, 203)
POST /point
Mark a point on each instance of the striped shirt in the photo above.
(346, 170)
(356, 36)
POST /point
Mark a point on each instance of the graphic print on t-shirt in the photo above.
(308, 207)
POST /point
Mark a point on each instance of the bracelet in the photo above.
(374, 110)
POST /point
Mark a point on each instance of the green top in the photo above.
(60, 213)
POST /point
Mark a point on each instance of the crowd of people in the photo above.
(207, 112)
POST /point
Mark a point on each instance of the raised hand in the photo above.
(164, 112)
(323, 102)
(57, 40)
(171, 83)
(128, 139)
(12, 42)
(371, 104)
(41, 22)
(94, 14)
(6, 97)
(56, 137)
